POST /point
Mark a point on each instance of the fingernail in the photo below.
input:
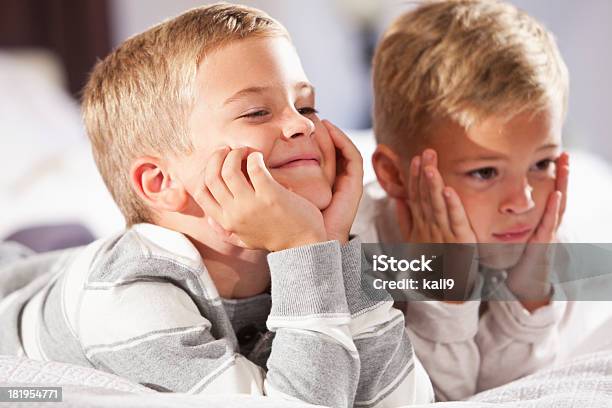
(429, 174)
(447, 192)
(416, 162)
(428, 155)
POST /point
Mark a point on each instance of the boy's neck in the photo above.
(237, 273)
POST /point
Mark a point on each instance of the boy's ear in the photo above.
(156, 186)
(387, 166)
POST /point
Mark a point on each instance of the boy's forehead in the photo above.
(302, 88)
(496, 136)
(250, 65)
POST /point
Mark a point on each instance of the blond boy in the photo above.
(237, 256)
(470, 98)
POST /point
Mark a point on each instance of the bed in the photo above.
(585, 381)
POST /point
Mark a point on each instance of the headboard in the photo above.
(77, 31)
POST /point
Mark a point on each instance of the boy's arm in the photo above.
(390, 375)
(523, 319)
(443, 335)
(171, 332)
(313, 356)
(509, 333)
(153, 333)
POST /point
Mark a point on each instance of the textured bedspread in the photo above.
(583, 382)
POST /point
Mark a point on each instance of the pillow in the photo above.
(38, 119)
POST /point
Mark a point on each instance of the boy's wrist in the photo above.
(539, 295)
(342, 238)
(303, 240)
(307, 280)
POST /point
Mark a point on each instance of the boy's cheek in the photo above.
(480, 211)
(540, 196)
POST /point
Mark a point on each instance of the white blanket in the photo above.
(582, 382)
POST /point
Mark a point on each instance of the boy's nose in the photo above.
(296, 124)
(519, 201)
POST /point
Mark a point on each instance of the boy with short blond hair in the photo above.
(469, 102)
(237, 255)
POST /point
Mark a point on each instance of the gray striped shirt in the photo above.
(142, 305)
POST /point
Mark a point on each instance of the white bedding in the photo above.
(583, 382)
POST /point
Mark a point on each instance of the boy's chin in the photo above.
(320, 196)
(500, 256)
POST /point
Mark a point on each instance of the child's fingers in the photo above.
(218, 228)
(232, 173)
(403, 218)
(427, 161)
(262, 180)
(347, 148)
(459, 222)
(226, 235)
(212, 177)
(561, 183)
(209, 205)
(436, 197)
(353, 162)
(414, 199)
(545, 231)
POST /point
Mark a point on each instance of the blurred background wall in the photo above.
(334, 38)
(47, 48)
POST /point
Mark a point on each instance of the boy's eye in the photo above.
(308, 111)
(486, 173)
(255, 114)
(544, 165)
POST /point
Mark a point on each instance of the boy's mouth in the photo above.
(514, 234)
(305, 159)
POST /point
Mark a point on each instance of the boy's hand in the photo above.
(529, 278)
(347, 189)
(260, 212)
(433, 212)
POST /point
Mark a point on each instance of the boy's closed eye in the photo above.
(256, 113)
(264, 113)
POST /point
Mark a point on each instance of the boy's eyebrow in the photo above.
(244, 92)
(480, 158)
(501, 156)
(548, 146)
(261, 89)
(305, 85)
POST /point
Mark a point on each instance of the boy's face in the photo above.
(502, 170)
(254, 93)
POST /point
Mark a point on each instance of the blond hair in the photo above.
(138, 99)
(462, 60)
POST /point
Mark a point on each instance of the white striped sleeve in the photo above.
(390, 374)
(154, 334)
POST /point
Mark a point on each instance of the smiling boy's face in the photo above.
(254, 93)
(503, 171)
